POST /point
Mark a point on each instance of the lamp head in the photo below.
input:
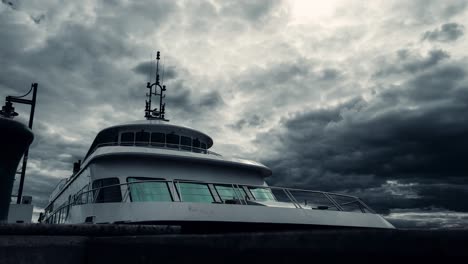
(8, 110)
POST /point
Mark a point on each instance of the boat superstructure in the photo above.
(153, 172)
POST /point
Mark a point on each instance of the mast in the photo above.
(156, 113)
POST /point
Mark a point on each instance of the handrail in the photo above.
(145, 144)
(78, 198)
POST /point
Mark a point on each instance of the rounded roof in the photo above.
(155, 125)
(162, 125)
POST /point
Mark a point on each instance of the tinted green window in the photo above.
(194, 192)
(262, 194)
(145, 190)
(227, 192)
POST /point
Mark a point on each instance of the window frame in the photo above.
(185, 146)
(215, 185)
(172, 145)
(155, 179)
(154, 143)
(142, 143)
(181, 198)
(127, 143)
(267, 188)
(95, 197)
(196, 148)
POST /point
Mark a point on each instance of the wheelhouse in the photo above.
(153, 134)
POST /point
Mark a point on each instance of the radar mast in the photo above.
(156, 113)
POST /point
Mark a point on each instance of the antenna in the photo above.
(152, 114)
(162, 77)
(151, 67)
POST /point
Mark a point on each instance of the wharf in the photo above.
(40, 243)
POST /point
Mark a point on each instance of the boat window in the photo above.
(262, 194)
(61, 217)
(185, 143)
(107, 137)
(196, 145)
(203, 147)
(127, 138)
(194, 192)
(83, 195)
(142, 138)
(108, 190)
(228, 192)
(172, 140)
(147, 190)
(158, 139)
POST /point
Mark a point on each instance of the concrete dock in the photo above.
(39, 243)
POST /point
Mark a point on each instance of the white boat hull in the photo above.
(186, 212)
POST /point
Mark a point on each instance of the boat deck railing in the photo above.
(215, 193)
(145, 144)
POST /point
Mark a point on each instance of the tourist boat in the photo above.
(153, 172)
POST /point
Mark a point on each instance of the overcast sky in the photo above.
(368, 98)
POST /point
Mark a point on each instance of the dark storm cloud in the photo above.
(38, 19)
(47, 142)
(76, 66)
(445, 196)
(55, 65)
(39, 186)
(292, 82)
(405, 61)
(446, 33)
(249, 10)
(149, 68)
(141, 18)
(416, 131)
(253, 121)
(51, 158)
(447, 82)
(182, 98)
(211, 100)
(430, 11)
(415, 193)
(188, 100)
(224, 18)
(277, 74)
(276, 86)
(431, 218)
(11, 3)
(330, 74)
(89, 60)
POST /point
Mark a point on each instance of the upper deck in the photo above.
(151, 137)
(153, 133)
